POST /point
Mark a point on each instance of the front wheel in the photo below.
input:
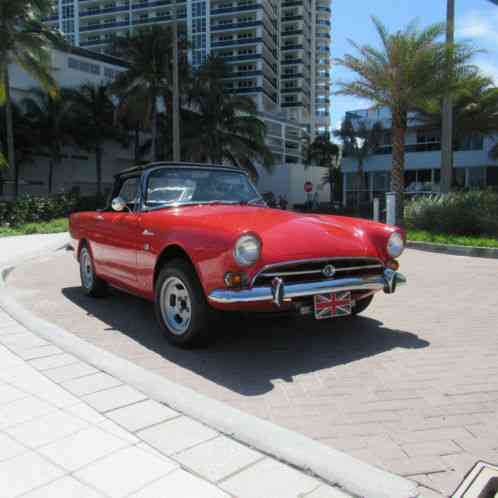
(181, 307)
(92, 285)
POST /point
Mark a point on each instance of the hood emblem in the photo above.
(329, 271)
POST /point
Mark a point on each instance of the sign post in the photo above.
(391, 208)
(376, 209)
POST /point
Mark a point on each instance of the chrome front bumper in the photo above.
(279, 291)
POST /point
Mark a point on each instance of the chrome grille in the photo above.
(313, 270)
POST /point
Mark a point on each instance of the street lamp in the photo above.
(447, 125)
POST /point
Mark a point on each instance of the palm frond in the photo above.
(3, 161)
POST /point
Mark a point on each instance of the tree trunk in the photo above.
(9, 125)
(98, 165)
(137, 143)
(50, 174)
(398, 165)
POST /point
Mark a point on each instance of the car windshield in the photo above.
(180, 186)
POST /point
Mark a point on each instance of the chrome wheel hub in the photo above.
(176, 305)
(86, 269)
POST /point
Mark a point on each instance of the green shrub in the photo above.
(459, 213)
(28, 209)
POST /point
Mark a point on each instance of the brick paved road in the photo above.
(412, 386)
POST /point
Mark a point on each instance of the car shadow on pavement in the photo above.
(248, 351)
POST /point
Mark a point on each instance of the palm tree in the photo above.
(25, 140)
(475, 110)
(149, 75)
(93, 114)
(130, 117)
(223, 126)
(407, 71)
(359, 142)
(24, 40)
(49, 118)
(322, 152)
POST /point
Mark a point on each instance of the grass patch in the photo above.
(461, 240)
(55, 226)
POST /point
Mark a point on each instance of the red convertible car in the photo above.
(196, 239)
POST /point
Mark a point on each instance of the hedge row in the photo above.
(458, 213)
(27, 209)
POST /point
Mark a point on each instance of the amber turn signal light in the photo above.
(392, 264)
(235, 280)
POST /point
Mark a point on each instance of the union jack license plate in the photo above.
(333, 305)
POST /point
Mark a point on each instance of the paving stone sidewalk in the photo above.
(410, 386)
(69, 430)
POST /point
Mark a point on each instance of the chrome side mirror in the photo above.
(118, 204)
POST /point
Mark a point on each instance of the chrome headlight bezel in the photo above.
(247, 250)
(395, 245)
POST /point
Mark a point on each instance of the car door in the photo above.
(119, 236)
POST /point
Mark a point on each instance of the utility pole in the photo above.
(176, 94)
(447, 126)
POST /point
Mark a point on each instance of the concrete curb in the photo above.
(332, 466)
(455, 250)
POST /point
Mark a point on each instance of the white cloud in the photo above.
(479, 25)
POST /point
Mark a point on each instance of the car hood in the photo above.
(286, 235)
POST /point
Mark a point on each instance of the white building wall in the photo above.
(288, 181)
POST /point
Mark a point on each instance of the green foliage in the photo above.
(223, 126)
(27, 209)
(148, 79)
(321, 152)
(459, 213)
(26, 40)
(408, 71)
(460, 240)
(55, 226)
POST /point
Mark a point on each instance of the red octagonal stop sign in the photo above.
(308, 187)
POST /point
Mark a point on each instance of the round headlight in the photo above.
(395, 245)
(247, 250)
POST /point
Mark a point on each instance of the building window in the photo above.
(473, 141)
(110, 73)
(67, 11)
(68, 26)
(83, 66)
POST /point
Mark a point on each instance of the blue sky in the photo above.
(477, 21)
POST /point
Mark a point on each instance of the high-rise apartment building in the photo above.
(277, 51)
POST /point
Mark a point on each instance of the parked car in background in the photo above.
(199, 239)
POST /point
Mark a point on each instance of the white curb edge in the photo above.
(454, 250)
(332, 466)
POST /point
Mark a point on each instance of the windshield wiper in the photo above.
(253, 202)
(208, 203)
(220, 202)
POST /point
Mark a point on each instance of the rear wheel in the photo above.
(92, 285)
(181, 307)
(362, 305)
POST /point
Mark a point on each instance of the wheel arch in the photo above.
(173, 251)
